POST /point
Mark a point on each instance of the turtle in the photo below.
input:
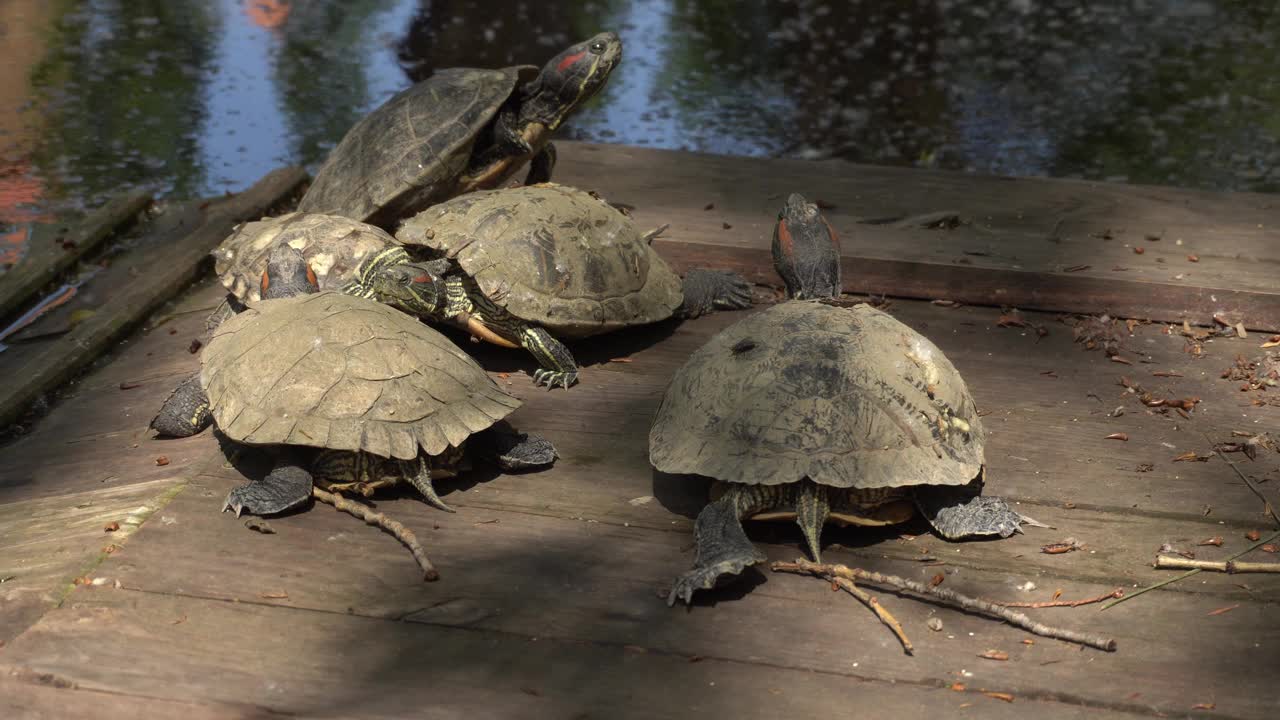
(348, 394)
(461, 129)
(522, 266)
(815, 411)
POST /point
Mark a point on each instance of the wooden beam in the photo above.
(47, 257)
(157, 274)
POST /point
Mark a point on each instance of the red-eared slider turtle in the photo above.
(461, 129)
(350, 394)
(520, 266)
(816, 412)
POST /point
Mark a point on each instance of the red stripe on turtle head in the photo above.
(565, 63)
(784, 240)
(265, 282)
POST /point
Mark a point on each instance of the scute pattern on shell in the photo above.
(553, 255)
(333, 371)
(409, 151)
(333, 246)
(848, 397)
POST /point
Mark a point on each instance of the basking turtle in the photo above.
(520, 266)
(351, 395)
(461, 129)
(813, 412)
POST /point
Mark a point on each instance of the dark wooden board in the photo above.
(155, 275)
(54, 248)
(1024, 239)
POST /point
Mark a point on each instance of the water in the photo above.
(197, 97)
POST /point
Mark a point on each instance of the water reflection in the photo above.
(200, 96)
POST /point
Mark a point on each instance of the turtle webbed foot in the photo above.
(706, 290)
(287, 486)
(555, 378)
(955, 513)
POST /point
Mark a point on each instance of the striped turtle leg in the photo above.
(418, 473)
(723, 549)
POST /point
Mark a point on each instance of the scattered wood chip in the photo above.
(111, 526)
(1058, 548)
(1252, 536)
(275, 595)
(995, 655)
(999, 696)
(1215, 541)
(162, 460)
(127, 385)
(1223, 610)
(1118, 436)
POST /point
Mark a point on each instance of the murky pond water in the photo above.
(195, 97)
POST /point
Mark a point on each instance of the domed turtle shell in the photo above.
(333, 371)
(409, 152)
(846, 396)
(552, 255)
(333, 247)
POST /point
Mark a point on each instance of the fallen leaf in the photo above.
(275, 595)
(1222, 610)
(1118, 436)
(1252, 535)
(995, 655)
(936, 580)
(999, 696)
(162, 460)
(111, 526)
(1216, 541)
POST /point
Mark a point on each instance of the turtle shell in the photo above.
(846, 396)
(552, 255)
(410, 152)
(333, 371)
(333, 246)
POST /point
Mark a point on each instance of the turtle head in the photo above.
(806, 251)
(287, 274)
(570, 79)
(416, 288)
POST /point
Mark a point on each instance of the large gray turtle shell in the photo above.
(333, 246)
(333, 371)
(552, 255)
(410, 152)
(848, 397)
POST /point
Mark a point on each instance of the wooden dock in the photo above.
(551, 600)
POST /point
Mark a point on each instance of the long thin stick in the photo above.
(950, 597)
(1270, 538)
(881, 612)
(1118, 592)
(402, 533)
(1165, 562)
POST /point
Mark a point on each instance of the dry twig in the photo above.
(1118, 592)
(402, 533)
(949, 597)
(1164, 562)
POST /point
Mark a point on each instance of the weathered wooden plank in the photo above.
(1040, 244)
(598, 582)
(159, 274)
(340, 665)
(47, 258)
(48, 542)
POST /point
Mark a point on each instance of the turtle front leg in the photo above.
(723, 548)
(558, 366)
(418, 473)
(186, 412)
(541, 165)
(958, 512)
(709, 290)
(286, 486)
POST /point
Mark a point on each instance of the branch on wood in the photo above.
(1164, 562)
(1118, 592)
(401, 533)
(949, 597)
(881, 611)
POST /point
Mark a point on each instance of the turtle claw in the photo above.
(555, 378)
